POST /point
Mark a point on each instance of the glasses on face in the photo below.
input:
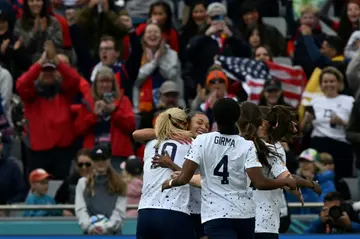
(86, 165)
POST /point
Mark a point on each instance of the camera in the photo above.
(335, 212)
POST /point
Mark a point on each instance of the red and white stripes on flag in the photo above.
(253, 74)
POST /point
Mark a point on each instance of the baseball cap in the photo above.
(309, 155)
(38, 175)
(134, 166)
(169, 87)
(216, 8)
(100, 152)
(48, 66)
(272, 85)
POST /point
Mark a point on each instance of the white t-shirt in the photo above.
(195, 200)
(268, 202)
(223, 160)
(324, 108)
(176, 198)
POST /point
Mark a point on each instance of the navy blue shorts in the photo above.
(198, 226)
(266, 236)
(164, 224)
(227, 228)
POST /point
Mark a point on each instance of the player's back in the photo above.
(223, 160)
(176, 199)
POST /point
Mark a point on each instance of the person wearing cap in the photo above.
(39, 182)
(219, 38)
(133, 175)
(47, 90)
(107, 117)
(272, 94)
(216, 88)
(169, 95)
(101, 193)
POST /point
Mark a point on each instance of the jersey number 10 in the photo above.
(166, 145)
(225, 173)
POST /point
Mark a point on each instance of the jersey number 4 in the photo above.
(164, 147)
(225, 173)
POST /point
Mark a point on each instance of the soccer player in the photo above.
(198, 124)
(267, 128)
(226, 160)
(161, 214)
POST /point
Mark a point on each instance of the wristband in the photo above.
(170, 183)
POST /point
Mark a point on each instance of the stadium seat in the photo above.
(354, 188)
(283, 60)
(327, 30)
(277, 22)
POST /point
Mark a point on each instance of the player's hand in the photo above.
(290, 182)
(96, 231)
(298, 194)
(316, 188)
(163, 161)
(166, 185)
(182, 139)
(175, 174)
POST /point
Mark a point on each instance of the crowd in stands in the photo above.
(81, 75)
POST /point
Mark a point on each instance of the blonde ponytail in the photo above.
(172, 122)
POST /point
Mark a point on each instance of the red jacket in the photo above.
(170, 36)
(65, 30)
(122, 125)
(49, 123)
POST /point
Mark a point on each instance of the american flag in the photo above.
(253, 74)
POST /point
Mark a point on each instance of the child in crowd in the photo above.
(39, 182)
(133, 176)
(325, 176)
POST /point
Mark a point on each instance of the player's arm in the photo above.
(187, 172)
(165, 161)
(303, 183)
(196, 181)
(143, 135)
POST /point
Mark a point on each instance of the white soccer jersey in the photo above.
(223, 160)
(195, 200)
(176, 198)
(268, 202)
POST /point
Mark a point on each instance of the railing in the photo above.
(20, 207)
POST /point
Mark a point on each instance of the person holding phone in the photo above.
(108, 118)
(328, 115)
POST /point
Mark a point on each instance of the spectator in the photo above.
(47, 89)
(160, 13)
(96, 20)
(250, 18)
(335, 217)
(133, 178)
(12, 185)
(12, 54)
(193, 27)
(169, 96)
(39, 181)
(263, 53)
(216, 88)
(219, 39)
(36, 26)
(159, 63)
(329, 119)
(101, 193)
(6, 93)
(107, 118)
(272, 94)
(352, 45)
(66, 192)
(325, 176)
(109, 55)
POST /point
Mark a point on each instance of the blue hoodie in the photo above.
(326, 181)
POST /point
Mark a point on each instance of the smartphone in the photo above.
(108, 97)
(310, 109)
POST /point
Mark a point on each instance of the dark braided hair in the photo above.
(249, 122)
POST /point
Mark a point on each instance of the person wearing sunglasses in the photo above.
(216, 88)
(66, 192)
(102, 194)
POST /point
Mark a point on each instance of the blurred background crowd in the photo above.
(79, 74)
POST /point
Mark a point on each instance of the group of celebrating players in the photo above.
(221, 185)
